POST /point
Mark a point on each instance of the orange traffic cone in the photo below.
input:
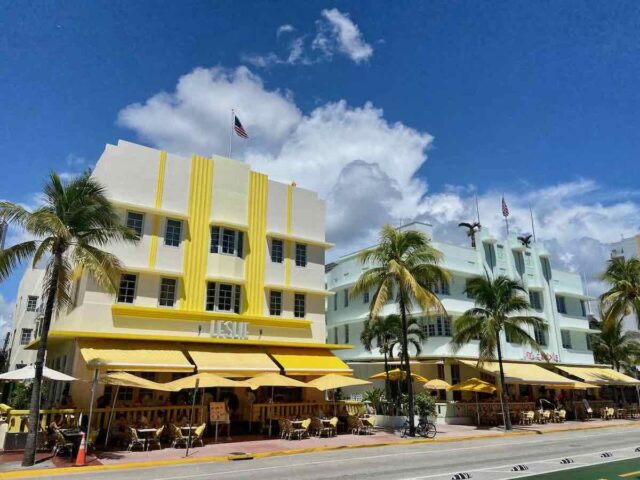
(80, 459)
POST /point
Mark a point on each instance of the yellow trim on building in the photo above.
(218, 278)
(158, 313)
(256, 254)
(196, 251)
(75, 334)
(234, 226)
(287, 243)
(298, 239)
(153, 271)
(153, 248)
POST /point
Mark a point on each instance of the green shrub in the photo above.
(425, 405)
(375, 396)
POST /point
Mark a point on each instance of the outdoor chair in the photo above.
(134, 440)
(303, 431)
(61, 444)
(197, 438)
(155, 439)
(562, 416)
(178, 439)
(331, 429)
(355, 426)
(546, 416)
(527, 418)
(316, 426)
(369, 424)
(286, 428)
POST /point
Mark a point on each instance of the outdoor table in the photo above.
(186, 428)
(145, 433)
(74, 436)
(621, 413)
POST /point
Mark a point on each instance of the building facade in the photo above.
(227, 275)
(556, 295)
(627, 248)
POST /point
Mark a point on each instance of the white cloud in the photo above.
(335, 32)
(365, 167)
(6, 312)
(345, 34)
(286, 28)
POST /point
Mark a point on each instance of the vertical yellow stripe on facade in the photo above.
(153, 247)
(196, 244)
(287, 243)
(256, 255)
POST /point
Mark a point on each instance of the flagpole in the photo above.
(477, 208)
(233, 117)
(533, 228)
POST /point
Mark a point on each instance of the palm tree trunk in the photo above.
(504, 397)
(29, 457)
(386, 381)
(407, 366)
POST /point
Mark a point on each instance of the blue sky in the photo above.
(428, 101)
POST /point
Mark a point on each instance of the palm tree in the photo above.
(500, 305)
(472, 228)
(75, 220)
(404, 268)
(525, 240)
(381, 331)
(614, 346)
(415, 335)
(623, 298)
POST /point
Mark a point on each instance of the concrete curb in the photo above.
(279, 453)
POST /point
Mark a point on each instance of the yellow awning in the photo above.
(309, 361)
(134, 356)
(599, 375)
(204, 380)
(521, 373)
(124, 379)
(229, 361)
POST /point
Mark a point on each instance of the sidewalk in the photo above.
(259, 447)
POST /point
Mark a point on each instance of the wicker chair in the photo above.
(134, 440)
(155, 439)
(303, 431)
(330, 430)
(198, 435)
(316, 427)
(177, 438)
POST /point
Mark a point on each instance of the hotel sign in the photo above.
(229, 329)
(542, 357)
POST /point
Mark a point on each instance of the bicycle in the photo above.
(424, 429)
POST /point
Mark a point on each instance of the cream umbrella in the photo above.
(124, 379)
(202, 380)
(29, 373)
(474, 385)
(274, 380)
(333, 381)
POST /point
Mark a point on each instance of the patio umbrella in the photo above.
(397, 374)
(436, 384)
(274, 380)
(29, 373)
(332, 381)
(202, 380)
(124, 379)
(474, 385)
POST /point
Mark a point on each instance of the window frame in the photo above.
(32, 307)
(301, 256)
(540, 334)
(538, 296)
(296, 308)
(565, 336)
(273, 295)
(346, 333)
(218, 242)
(172, 235)
(175, 291)
(119, 294)
(235, 300)
(560, 300)
(346, 298)
(277, 253)
(22, 336)
(366, 299)
(134, 228)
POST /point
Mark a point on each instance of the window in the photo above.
(540, 336)
(560, 302)
(509, 338)
(346, 334)
(535, 299)
(546, 268)
(127, 290)
(519, 259)
(500, 252)
(32, 303)
(335, 335)
(223, 297)
(25, 337)
(439, 326)
(490, 255)
(277, 250)
(527, 259)
(346, 297)
(440, 287)
(299, 305)
(135, 221)
(172, 233)
(566, 338)
(275, 303)
(301, 255)
(227, 241)
(466, 288)
(365, 297)
(583, 308)
(335, 302)
(125, 394)
(167, 292)
(589, 344)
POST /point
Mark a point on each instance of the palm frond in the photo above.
(12, 256)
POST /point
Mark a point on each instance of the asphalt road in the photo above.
(490, 459)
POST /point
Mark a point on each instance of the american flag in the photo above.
(240, 131)
(505, 209)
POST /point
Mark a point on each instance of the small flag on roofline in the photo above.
(239, 129)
